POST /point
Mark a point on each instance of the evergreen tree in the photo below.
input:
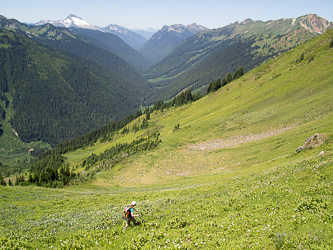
(49, 175)
(238, 73)
(148, 114)
(229, 77)
(209, 89)
(138, 113)
(30, 177)
(331, 43)
(65, 174)
(197, 96)
(224, 82)
(188, 95)
(216, 85)
(2, 113)
(10, 183)
(19, 179)
(2, 181)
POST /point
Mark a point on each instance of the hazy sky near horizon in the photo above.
(153, 13)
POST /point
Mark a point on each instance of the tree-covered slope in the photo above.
(56, 95)
(114, 44)
(213, 53)
(64, 39)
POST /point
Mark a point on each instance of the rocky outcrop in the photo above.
(312, 142)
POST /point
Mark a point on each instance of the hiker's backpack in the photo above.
(127, 212)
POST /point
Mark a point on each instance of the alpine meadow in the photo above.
(242, 162)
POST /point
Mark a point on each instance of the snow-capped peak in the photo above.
(72, 21)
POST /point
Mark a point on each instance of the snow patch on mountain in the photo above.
(116, 28)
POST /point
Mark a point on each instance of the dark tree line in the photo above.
(2, 181)
(104, 133)
(213, 86)
(183, 98)
(44, 171)
(49, 177)
(115, 153)
(2, 114)
(50, 171)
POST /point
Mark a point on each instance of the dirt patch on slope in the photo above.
(235, 141)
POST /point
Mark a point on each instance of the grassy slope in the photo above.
(255, 193)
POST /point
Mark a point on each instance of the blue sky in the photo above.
(156, 13)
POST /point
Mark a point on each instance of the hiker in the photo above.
(129, 214)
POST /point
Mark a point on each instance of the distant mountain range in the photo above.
(113, 38)
(93, 49)
(167, 39)
(133, 39)
(159, 45)
(147, 33)
(211, 54)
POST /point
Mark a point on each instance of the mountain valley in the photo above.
(202, 57)
(246, 166)
(211, 54)
(167, 39)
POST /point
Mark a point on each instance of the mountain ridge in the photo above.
(167, 39)
(65, 39)
(131, 38)
(146, 33)
(196, 52)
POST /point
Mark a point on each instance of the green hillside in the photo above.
(229, 172)
(52, 96)
(211, 54)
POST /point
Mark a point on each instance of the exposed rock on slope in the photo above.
(312, 142)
